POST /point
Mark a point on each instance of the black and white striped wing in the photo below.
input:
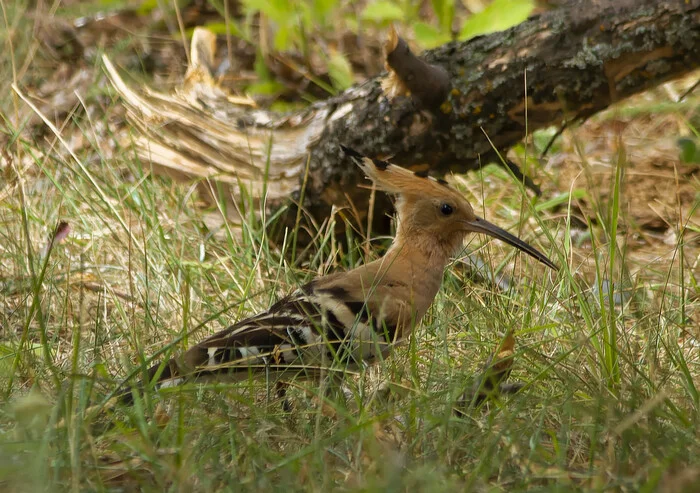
(309, 329)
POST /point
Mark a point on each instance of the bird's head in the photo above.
(431, 208)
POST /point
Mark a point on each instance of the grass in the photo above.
(610, 401)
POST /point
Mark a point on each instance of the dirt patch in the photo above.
(659, 213)
(658, 190)
(659, 195)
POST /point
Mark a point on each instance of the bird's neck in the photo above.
(422, 249)
(420, 263)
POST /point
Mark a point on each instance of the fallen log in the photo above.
(458, 107)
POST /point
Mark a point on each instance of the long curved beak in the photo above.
(480, 225)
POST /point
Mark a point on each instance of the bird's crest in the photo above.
(397, 180)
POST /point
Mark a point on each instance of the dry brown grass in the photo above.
(140, 271)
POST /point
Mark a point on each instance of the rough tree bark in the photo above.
(571, 63)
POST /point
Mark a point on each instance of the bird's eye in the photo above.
(446, 209)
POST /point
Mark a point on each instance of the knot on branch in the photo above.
(427, 84)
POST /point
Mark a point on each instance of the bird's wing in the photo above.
(336, 320)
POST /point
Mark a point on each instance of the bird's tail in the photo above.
(159, 375)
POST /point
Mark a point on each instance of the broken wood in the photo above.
(555, 68)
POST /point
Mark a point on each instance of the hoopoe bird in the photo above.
(355, 317)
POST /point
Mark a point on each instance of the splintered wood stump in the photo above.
(452, 110)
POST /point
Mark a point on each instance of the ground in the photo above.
(610, 399)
